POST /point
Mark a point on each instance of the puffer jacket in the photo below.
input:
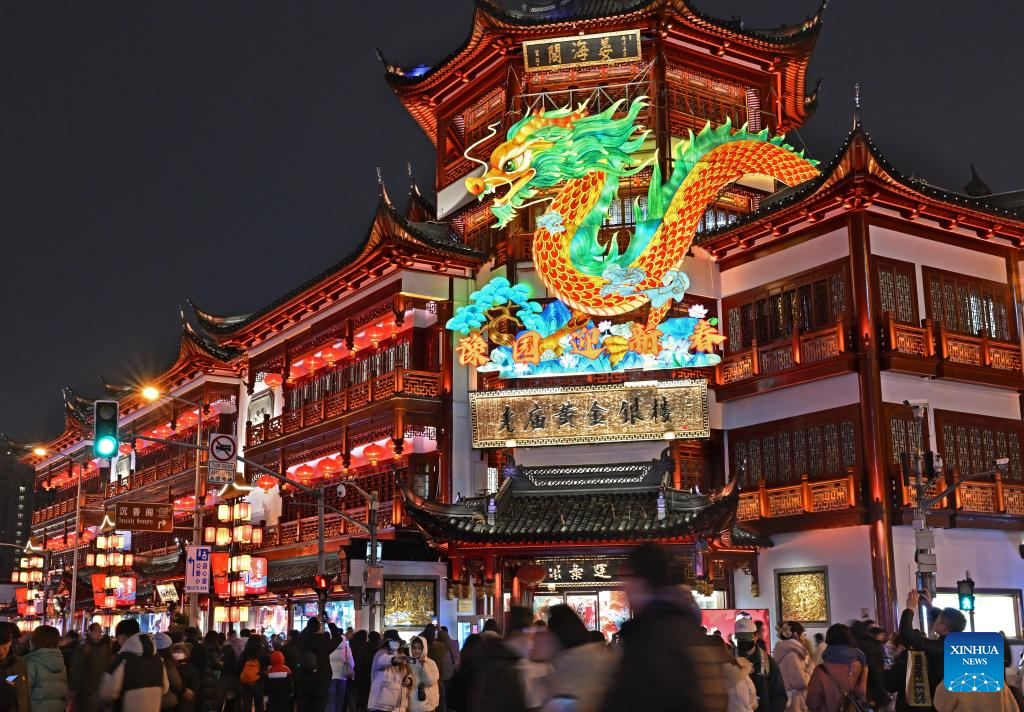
(581, 673)
(47, 680)
(425, 673)
(794, 664)
(742, 693)
(137, 678)
(386, 690)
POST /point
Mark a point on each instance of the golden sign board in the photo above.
(574, 415)
(582, 50)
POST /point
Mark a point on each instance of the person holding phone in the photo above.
(14, 691)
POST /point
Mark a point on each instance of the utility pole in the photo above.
(924, 470)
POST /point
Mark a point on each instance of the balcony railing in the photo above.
(401, 382)
(807, 496)
(996, 497)
(935, 347)
(802, 350)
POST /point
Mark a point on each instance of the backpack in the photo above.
(849, 702)
(250, 674)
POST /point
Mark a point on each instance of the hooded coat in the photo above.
(742, 693)
(425, 673)
(137, 676)
(794, 664)
(47, 680)
(387, 692)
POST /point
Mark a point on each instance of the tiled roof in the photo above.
(581, 503)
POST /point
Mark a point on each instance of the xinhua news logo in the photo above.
(974, 662)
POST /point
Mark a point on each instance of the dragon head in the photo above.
(547, 148)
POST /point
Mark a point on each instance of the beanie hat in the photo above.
(162, 641)
(277, 658)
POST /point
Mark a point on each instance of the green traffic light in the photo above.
(106, 446)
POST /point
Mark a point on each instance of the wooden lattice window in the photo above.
(897, 289)
(971, 306)
(806, 301)
(970, 443)
(906, 433)
(821, 445)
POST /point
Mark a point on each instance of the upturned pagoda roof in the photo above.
(858, 161)
(583, 503)
(497, 29)
(413, 231)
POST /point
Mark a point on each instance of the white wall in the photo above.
(991, 556)
(847, 554)
(406, 569)
(799, 258)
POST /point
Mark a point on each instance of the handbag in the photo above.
(850, 702)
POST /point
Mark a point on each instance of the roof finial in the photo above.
(413, 188)
(381, 190)
(856, 105)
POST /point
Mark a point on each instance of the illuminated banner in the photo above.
(256, 576)
(589, 414)
(582, 50)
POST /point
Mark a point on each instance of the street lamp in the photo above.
(152, 394)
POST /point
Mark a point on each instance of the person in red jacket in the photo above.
(280, 687)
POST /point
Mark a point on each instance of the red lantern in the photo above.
(374, 453)
(376, 334)
(296, 372)
(124, 448)
(313, 363)
(266, 482)
(332, 355)
(304, 473)
(185, 504)
(327, 467)
(163, 431)
(273, 380)
(188, 418)
(531, 574)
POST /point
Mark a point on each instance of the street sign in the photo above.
(223, 460)
(144, 516)
(197, 569)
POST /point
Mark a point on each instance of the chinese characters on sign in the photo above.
(197, 569)
(581, 572)
(588, 414)
(144, 516)
(605, 48)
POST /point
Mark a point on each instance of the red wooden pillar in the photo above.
(879, 499)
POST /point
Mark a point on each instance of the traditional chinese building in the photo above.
(531, 393)
(841, 299)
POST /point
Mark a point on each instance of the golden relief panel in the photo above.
(590, 414)
(803, 596)
(409, 603)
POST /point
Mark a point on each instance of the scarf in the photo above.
(844, 655)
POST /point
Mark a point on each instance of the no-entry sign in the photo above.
(223, 460)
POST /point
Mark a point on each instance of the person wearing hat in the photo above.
(162, 642)
(947, 620)
(388, 683)
(765, 674)
(280, 685)
(666, 665)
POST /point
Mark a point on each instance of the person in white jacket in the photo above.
(137, 679)
(794, 660)
(343, 670)
(742, 693)
(424, 678)
(390, 677)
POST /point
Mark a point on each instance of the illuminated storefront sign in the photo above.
(582, 571)
(589, 414)
(583, 50)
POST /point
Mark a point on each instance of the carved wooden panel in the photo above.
(971, 442)
(970, 306)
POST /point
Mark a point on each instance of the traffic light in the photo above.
(965, 593)
(321, 587)
(104, 429)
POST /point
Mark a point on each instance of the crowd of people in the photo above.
(662, 660)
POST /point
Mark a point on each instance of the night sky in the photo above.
(226, 150)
